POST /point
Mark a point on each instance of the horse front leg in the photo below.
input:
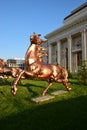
(49, 85)
(14, 87)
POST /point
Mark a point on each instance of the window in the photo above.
(79, 58)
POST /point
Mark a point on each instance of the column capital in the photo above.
(69, 37)
(83, 30)
(58, 41)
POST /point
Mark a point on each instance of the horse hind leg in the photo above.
(67, 85)
(49, 85)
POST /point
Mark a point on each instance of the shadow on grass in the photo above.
(41, 88)
(74, 82)
(37, 84)
(30, 87)
(4, 83)
(40, 85)
(68, 114)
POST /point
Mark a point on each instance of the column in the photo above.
(49, 54)
(58, 52)
(84, 46)
(69, 53)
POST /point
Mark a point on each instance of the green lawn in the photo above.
(65, 112)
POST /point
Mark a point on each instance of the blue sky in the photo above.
(20, 18)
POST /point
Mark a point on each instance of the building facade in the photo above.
(16, 62)
(67, 45)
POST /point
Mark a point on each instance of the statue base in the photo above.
(42, 98)
(48, 97)
(59, 92)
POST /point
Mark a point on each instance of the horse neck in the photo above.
(31, 54)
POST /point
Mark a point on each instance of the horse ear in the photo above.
(34, 33)
(39, 34)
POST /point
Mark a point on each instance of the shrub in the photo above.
(82, 73)
(70, 75)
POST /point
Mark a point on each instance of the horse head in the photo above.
(35, 39)
(2, 63)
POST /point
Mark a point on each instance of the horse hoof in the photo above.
(69, 89)
(13, 91)
(43, 94)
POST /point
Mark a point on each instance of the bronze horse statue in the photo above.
(36, 68)
(2, 63)
(5, 70)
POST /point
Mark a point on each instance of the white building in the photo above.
(67, 45)
(16, 62)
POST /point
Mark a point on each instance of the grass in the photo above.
(66, 111)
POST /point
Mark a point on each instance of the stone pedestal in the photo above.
(59, 92)
(48, 97)
(42, 98)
